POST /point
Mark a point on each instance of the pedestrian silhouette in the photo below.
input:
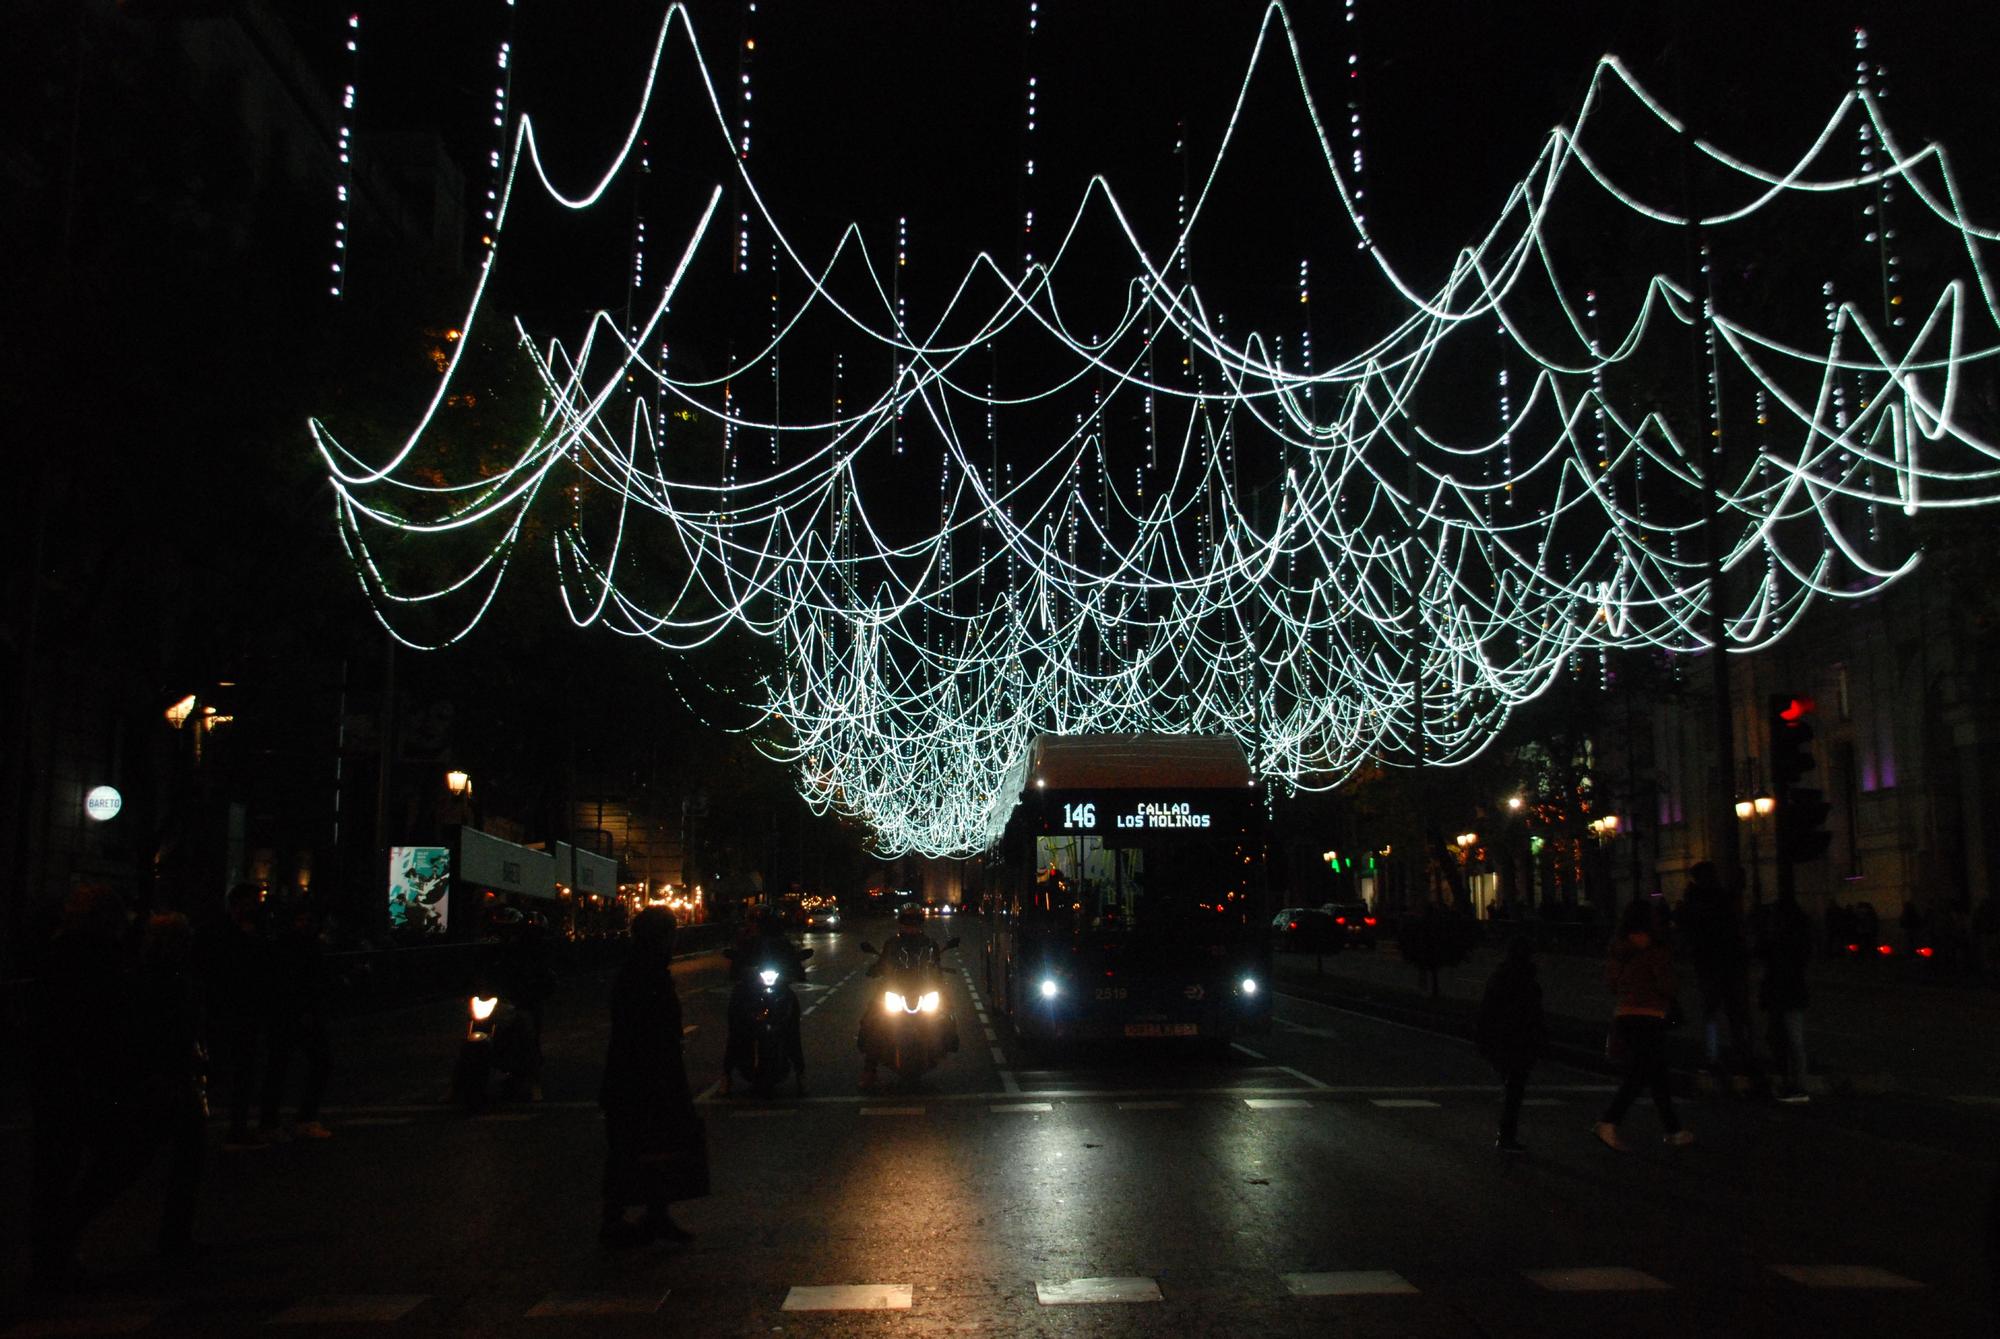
(298, 1027)
(1512, 1032)
(655, 1147)
(1786, 948)
(1640, 971)
(1712, 921)
(237, 971)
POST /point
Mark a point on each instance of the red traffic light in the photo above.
(1797, 709)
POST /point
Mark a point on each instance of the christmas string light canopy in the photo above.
(1150, 517)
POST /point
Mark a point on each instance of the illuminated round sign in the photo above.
(103, 803)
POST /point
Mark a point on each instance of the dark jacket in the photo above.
(643, 1067)
(1511, 1030)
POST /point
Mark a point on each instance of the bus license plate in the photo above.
(1162, 1029)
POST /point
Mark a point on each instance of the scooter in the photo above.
(764, 1024)
(912, 1027)
(496, 1041)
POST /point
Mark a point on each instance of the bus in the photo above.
(1129, 891)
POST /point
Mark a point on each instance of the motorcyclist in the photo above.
(764, 945)
(910, 944)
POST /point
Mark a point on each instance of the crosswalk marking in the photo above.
(1543, 1102)
(1595, 1279)
(1160, 1105)
(892, 1111)
(560, 1306)
(350, 1309)
(999, 1056)
(1348, 1283)
(1023, 1106)
(1402, 1103)
(1274, 1103)
(1095, 1292)
(504, 1117)
(749, 1112)
(1844, 1276)
(849, 1297)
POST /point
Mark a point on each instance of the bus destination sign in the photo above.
(1128, 814)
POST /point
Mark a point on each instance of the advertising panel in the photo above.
(485, 861)
(419, 890)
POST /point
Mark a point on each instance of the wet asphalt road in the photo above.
(1337, 1176)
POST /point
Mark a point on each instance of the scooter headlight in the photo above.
(1249, 985)
(768, 977)
(930, 1002)
(483, 1006)
(893, 1003)
(1049, 988)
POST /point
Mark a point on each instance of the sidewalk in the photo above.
(1867, 1030)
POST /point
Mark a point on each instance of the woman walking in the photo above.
(1640, 970)
(655, 1147)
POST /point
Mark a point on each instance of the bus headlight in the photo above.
(1049, 988)
(1249, 985)
(893, 1003)
(930, 1002)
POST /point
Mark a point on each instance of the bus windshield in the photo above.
(1145, 884)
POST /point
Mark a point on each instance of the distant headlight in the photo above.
(1049, 988)
(1249, 985)
(482, 1007)
(930, 1002)
(893, 1003)
(768, 977)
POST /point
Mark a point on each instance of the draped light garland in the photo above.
(1388, 581)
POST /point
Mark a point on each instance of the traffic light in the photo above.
(1802, 810)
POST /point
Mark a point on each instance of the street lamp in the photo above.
(458, 783)
(1749, 811)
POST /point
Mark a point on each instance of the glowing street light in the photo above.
(458, 783)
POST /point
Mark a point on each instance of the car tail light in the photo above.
(1854, 948)
(1926, 951)
(1291, 925)
(1885, 950)
(1367, 920)
(1340, 920)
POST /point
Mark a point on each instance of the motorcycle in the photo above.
(497, 1041)
(910, 1027)
(764, 1023)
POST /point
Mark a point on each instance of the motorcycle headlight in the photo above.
(768, 977)
(1249, 985)
(483, 1006)
(930, 1002)
(1049, 988)
(892, 1002)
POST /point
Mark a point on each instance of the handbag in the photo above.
(679, 1170)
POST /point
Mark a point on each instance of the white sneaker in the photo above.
(1607, 1135)
(1679, 1138)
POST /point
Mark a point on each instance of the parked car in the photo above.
(1353, 922)
(1305, 930)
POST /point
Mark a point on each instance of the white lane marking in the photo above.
(892, 1111)
(1348, 1283)
(1164, 1104)
(991, 1035)
(1403, 1103)
(349, 1310)
(849, 1297)
(999, 1056)
(1254, 1055)
(1010, 1083)
(558, 1305)
(1095, 1292)
(1022, 1106)
(1844, 1276)
(1595, 1279)
(1305, 1078)
(1275, 1103)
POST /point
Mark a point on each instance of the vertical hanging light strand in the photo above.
(745, 57)
(503, 97)
(1355, 158)
(1028, 142)
(902, 312)
(343, 171)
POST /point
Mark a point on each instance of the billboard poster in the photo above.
(419, 890)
